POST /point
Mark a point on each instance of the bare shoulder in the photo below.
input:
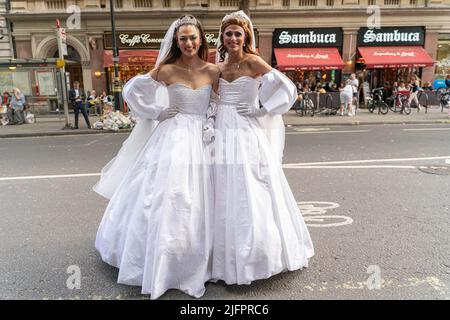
(258, 65)
(213, 70)
(161, 73)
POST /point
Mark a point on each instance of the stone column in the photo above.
(265, 44)
(87, 75)
(431, 46)
(349, 48)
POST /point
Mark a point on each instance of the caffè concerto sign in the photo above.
(391, 36)
(304, 38)
(148, 40)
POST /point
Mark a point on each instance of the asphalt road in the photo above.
(379, 222)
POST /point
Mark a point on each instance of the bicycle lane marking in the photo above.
(314, 214)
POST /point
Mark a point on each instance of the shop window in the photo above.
(391, 2)
(229, 3)
(307, 3)
(442, 59)
(15, 79)
(55, 4)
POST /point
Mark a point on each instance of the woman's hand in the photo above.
(247, 110)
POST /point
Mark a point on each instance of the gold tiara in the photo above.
(186, 20)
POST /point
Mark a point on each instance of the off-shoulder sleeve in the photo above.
(277, 93)
(144, 96)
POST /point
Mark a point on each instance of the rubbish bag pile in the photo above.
(114, 120)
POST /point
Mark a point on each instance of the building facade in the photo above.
(5, 39)
(140, 25)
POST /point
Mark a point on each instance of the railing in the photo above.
(307, 3)
(56, 4)
(143, 3)
(229, 3)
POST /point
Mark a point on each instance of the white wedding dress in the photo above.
(157, 228)
(258, 229)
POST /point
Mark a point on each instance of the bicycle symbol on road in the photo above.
(314, 214)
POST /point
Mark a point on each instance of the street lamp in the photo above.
(117, 86)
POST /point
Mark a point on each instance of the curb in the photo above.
(60, 133)
(358, 123)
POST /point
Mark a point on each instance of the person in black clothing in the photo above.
(77, 98)
(447, 81)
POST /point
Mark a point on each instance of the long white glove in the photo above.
(247, 110)
(168, 113)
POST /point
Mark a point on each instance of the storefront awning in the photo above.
(133, 57)
(308, 59)
(395, 57)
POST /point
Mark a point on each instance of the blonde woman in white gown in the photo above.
(258, 227)
(157, 228)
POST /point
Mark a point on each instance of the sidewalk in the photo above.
(51, 125)
(363, 116)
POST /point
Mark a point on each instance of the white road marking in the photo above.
(351, 167)
(315, 211)
(90, 143)
(50, 176)
(426, 129)
(63, 136)
(335, 131)
(294, 165)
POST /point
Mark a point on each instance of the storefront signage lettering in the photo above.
(147, 40)
(132, 40)
(391, 36)
(296, 38)
(395, 36)
(315, 56)
(311, 37)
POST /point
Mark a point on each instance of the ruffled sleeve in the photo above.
(145, 97)
(277, 93)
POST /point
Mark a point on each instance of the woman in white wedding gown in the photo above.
(258, 227)
(157, 228)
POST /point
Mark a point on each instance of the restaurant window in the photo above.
(442, 59)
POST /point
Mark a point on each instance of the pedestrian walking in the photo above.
(77, 98)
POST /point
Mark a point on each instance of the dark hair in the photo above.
(175, 52)
(243, 23)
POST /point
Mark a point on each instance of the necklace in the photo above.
(235, 64)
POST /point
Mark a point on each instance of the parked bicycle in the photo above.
(444, 98)
(376, 101)
(400, 102)
(306, 106)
